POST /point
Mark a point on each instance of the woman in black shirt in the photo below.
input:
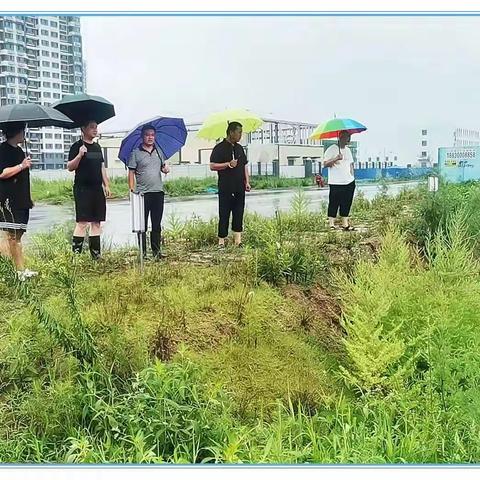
(15, 199)
(89, 189)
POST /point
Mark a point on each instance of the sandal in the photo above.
(333, 227)
(348, 228)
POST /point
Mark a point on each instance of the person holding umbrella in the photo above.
(90, 189)
(85, 158)
(339, 160)
(145, 167)
(228, 159)
(145, 151)
(15, 198)
(341, 180)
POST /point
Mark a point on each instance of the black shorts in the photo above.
(90, 203)
(14, 221)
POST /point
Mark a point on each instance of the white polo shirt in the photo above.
(340, 173)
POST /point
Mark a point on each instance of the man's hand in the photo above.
(338, 158)
(248, 187)
(83, 150)
(107, 190)
(27, 163)
(233, 163)
(166, 169)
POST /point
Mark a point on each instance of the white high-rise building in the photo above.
(464, 137)
(40, 62)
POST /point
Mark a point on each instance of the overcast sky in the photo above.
(395, 75)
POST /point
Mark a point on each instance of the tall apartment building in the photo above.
(464, 137)
(40, 62)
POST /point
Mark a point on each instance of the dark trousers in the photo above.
(340, 198)
(154, 202)
(230, 203)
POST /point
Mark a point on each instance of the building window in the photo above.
(55, 65)
(55, 85)
(58, 136)
(54, 54)
(44, 32)
(56, 95)
(46, 53)
(424, 154)
(49, 146)
(424, 143)
(47, 94)
(55, 75)
(54, 44)
(58, 146)
(424, 132)
(43, 21)
(46, 74)
(53, 24)
(45, 43)
(46, 84)
(54, 34)
(48, 135)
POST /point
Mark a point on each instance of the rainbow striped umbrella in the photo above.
(332, 128)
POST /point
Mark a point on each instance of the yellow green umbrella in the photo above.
(215, 126)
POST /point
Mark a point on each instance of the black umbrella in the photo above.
(34, 116)
(83, 108)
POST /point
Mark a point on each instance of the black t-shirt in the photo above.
(230, 179)
(89, 171)
(14, 191)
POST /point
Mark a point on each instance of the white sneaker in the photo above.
(23, 275)
(29, 273)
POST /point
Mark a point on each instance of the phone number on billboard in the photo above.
(468, 154)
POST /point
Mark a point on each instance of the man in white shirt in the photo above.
(339, 160)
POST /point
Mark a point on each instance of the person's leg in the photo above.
(81, 225)
(346, 203)
(224, 208)
(333, 204)
(79, 236)
(158, 200)
(94, 242)
(96, 207)
(14, 241)
(238, 208)
(147, 206)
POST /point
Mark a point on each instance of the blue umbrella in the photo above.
(170, 137)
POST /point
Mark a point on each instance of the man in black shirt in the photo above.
(15, 199)
(89, 189)
(229, 160)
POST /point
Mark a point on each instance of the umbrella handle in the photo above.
(162, 162)
(25, 140)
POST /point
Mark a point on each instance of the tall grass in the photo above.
(227, 361)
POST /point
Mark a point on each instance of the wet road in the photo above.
(117, 228)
